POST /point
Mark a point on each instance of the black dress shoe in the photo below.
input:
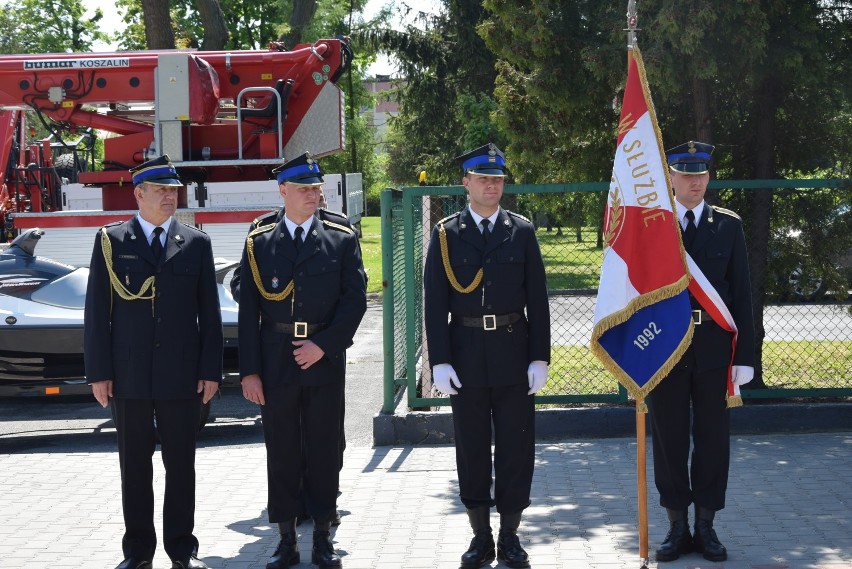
(510, 552)
(706, 542)
(134, 563)
(286, 554)
(193, 563)
(323, 553)
(678, 541)
(480, 552)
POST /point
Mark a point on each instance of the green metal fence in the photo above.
(807, 349)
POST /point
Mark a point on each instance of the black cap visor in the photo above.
(306, 181)
(163, 181)
(691, 167)
(487, 171)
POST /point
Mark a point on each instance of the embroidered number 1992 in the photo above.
(643, 340)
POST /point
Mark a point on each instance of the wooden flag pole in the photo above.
(641, 469)
(642, 486)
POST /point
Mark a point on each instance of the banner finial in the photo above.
(632, 20)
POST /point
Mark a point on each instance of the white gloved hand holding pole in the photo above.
(740, 375)
(444, 377)
(536, 375)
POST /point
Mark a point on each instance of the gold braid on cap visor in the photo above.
(255, 272)
(451, 276)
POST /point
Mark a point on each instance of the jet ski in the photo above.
(41, 321)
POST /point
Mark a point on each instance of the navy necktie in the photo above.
(690, 229)
(485, 232)
(156, 244)
(298, 238)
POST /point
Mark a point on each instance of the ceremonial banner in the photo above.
(643, 322)
(709, 299)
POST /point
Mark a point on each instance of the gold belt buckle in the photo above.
(489, 322)
(696, 317)
(300, 329)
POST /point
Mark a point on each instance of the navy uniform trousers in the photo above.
(707, 419)
(301, 427)
(512, 413)
(177, 426)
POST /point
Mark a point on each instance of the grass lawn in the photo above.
(371, 250)
(786, 365)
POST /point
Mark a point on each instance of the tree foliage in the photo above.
(48, 26)
(446, 100)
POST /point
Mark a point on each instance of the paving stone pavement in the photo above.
(788, 507)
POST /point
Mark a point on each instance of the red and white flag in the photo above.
(643, 320)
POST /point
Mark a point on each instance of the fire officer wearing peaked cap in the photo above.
(302, 297)
(484, 269)
(153, 347)
(271, 218)
(691, 401)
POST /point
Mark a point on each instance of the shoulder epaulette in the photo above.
(266, 218)
(261, 229)
(449, 217)
(518, 215)
(193, 228)
(337, 214)
(108, 226)
(338, 226)
(726, 211)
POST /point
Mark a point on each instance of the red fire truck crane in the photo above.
(225, 116)
(220, 116)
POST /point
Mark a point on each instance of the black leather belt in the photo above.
(490, 321)
(297, 329)
(700, 317)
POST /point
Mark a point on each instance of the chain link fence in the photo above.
(806, 351)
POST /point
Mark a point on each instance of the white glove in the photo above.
(537, 375)
(740, 375)
(444, 377)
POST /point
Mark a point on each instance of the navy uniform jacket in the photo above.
(159, 353)
(274, 217)
(329, 289)
(514, 281)
(719, 249)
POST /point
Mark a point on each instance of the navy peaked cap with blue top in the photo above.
(302, 170)
(156, 171)
(690, 158)
(486, 160)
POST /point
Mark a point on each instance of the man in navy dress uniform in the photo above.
(485, 271)
(691, 400)
(302, 297)
(271, 218)
(153, 347)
